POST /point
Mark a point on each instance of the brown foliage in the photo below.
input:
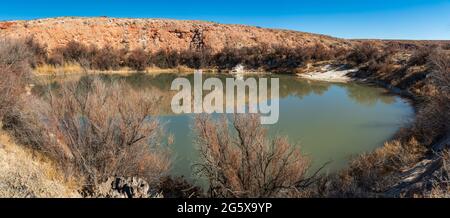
(441, 180)
(178, 187)
(14, 72)
(420, 56)
(364, 52)
(246, 163)
(445, 46)
(95, 130)
(38, 51)
(433, 119)
(138, 59)
(369, 175)
(275, 58)
(107, 58)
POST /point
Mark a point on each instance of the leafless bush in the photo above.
(38, 51)
(440, 63)
(23, 123)
(138, 59)
(107, 58)
(95, 131)
(14, 72)
(363, 53)
(420, 56)
(246, 163)
(14, 54)
(369, 175)
(75, 51)
(178, 187)
(433, 119)
(441, 182)
(445, 46)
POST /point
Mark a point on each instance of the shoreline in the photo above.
(328, 73)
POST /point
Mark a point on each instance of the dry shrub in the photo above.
(96, 130)
(364, 52)
(393, 156)
(23, 123)
(92, 130)
(445, 46)
(274, 58)
(420, 56)
(179, 187)
(26, 174)
(441, 180)
(433, 118)
(107, 58)
(74, 51)
(371, 174)
(39, 52)
(246, 163)
(9, 91)
(14, 72)
(138, 59)
(440, 64)
(55, 59)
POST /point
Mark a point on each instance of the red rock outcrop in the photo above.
(156, 34)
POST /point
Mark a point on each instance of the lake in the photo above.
(331, 121)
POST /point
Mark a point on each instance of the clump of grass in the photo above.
(66, 68)
(371, 174)
(441, 180)
(27, 173)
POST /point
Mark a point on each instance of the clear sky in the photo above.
(387, 19)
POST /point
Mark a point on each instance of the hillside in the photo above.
(157, 34)
(24, 173)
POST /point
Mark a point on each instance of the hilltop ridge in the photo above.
(158, 34)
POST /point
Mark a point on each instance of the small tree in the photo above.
(246, 163)
(101, 130)
(14, 72)
(138, 59)
(364, 52)
(433, 120)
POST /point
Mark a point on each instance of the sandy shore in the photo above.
(329, 74)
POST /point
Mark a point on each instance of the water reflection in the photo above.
(331, 121)
(289, 86)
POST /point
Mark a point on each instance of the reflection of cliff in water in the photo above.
(159, 85)
(368, 96)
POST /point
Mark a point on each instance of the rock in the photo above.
(160, 34)
(120, 187)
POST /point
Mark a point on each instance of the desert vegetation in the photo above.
(243, 161)
(85, 128)
(424, 73)
(89, 132)
(264, 58)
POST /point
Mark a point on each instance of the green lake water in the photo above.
(331, 121)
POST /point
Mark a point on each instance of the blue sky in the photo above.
(395, 19)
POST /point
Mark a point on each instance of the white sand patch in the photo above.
(329, 74)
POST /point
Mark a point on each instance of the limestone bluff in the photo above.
(158, 34)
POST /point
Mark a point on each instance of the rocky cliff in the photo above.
(156, 34)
